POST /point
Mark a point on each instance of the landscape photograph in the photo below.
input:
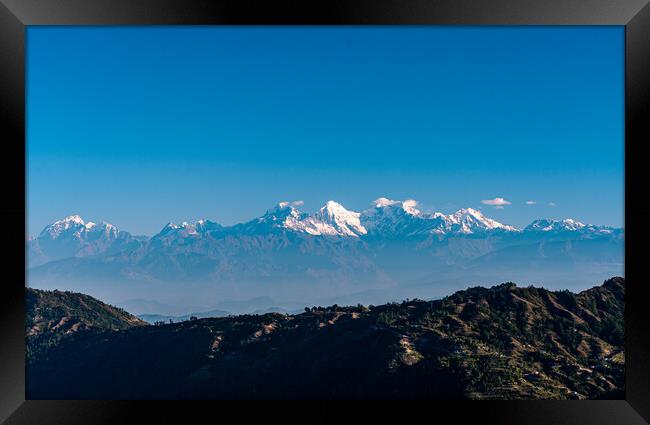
(325, 213)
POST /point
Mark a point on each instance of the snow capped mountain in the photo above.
(74, 227)
(468, 220)
(185, 229)
(566, 225)
(404, 218)
(330, 220)
(334, 219)
(59, 228)
(284, 216)
(73, 237)
(394, 218)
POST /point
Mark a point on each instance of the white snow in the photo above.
(471, 220)
(332, 220)
(75, 226)
(71, 223)
(568, 224)
(397, 217)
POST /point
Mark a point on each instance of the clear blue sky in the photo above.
(139, 126)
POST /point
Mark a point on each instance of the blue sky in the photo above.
(139, 126)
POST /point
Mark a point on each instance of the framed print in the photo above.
(238, 203)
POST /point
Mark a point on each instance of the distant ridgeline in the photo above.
(392, 247)
(504, 342)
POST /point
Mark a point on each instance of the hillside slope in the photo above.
(55, 316)
(503, 342)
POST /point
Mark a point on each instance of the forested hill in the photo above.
(55, 316)
(503, 342)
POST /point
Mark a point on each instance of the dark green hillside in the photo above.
(503, 342)
(55, 316)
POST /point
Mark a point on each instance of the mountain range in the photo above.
(389, 251)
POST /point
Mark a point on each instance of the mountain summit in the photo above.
(468, 220)
(566, 225)
(74, 237)
(334, 219)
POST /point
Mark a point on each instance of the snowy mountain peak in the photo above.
(335, 219)
(283, 216)
(394, 218)
(283, 211)
(101, 230)
(333, 209)
(332, 220)
(470, 220)
(333, 205)
(573, 223)
(186, 228)
(469, 211)
(549, 225)
(74, 227)
(72, 219)
(70, 223)
(72, 237)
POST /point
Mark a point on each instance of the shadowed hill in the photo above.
(503, 342)
(55, 316)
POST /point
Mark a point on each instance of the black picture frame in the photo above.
(16, 15)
